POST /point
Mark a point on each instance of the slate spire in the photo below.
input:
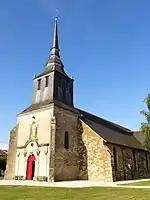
(54, 62)
(55, 45)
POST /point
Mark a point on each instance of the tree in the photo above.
(145, 126)
(2, 164)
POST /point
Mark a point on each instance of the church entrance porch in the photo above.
(30, 167)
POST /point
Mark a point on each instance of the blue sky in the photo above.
(105, 46)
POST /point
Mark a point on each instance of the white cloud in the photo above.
(3, 146)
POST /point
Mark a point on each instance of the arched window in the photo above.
(67, 96)
(59, 93)
(39, 84)
(66, 142)
(46, 81)
(115, 159)
(60, 82)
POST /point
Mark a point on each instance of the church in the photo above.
(55, 141)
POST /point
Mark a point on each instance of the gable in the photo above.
(110, 132)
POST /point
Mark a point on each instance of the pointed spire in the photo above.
(54, 62)
(55, 45)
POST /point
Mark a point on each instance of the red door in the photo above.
(30, 167)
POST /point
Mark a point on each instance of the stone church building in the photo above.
(55, 141)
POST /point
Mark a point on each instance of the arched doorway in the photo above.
(30, 167)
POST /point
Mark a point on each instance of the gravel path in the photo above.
(74, 184)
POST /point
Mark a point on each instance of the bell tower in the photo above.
(53, 84)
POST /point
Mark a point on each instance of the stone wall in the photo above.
(45, 92)
(131, 163)
(11, 158)
(95, 159)
(52, 150)
(66, 160)
(87, 157)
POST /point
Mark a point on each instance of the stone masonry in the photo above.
(11, 158)
(66, 161)
(131, 163)
(95, 158)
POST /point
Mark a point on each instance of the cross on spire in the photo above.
(56, 15)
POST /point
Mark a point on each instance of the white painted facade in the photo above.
(34, 133)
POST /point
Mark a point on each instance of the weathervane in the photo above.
(56, 15)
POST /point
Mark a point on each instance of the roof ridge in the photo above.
(106, 121)
(110, 132)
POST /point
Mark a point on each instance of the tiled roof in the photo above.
(37, 106)
(3, 152)
(110, 131)
(48, 103)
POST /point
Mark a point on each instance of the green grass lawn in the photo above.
(140, 183)
(95, 193)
